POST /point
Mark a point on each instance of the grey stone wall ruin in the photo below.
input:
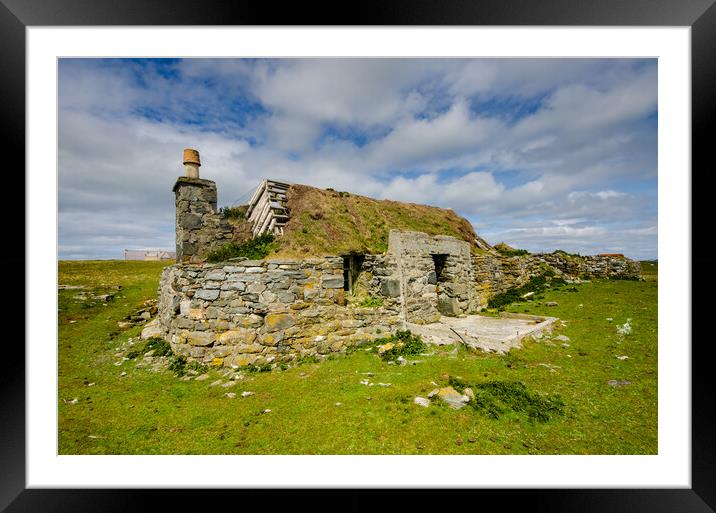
(258, 311)
(199, 227)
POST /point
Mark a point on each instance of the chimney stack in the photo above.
(191, 163)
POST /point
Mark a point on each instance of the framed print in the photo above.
(414, 249)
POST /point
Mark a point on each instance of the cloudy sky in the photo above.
(543, 154)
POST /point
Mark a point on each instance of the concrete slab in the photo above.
(492, 334)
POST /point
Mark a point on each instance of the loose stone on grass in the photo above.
(452, 397)
(422, 401)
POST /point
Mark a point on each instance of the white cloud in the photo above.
(439, 132)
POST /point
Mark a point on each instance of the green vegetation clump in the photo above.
(179, 366)
(257, 368)
(371, 302)
(234, 212)
(497, 397)
(508, 251)
(255, 249)
(160, 346)
(537, 284)
(565, 253)
(404, 344)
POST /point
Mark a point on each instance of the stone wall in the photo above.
(495, 274)
(255, 312)
(199, 228)
(434, 274)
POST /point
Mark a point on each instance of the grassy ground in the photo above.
(146, 412)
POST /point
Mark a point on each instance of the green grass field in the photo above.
(147, 412)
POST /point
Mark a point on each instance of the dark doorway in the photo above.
(352, 265)
(439, 261)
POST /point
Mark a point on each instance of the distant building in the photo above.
(149, 254)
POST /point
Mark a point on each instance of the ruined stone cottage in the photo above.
(244, 311)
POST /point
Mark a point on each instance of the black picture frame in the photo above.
(700, 15)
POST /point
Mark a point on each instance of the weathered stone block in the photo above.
(215, 275)
(200, 338)
(270, 339)
(207, 294)
(190, 221)
(279, 321)
(332, 281)
(237, 336)
(390, 288)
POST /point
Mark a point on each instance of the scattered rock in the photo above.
(552, 368)
(246, 393)
(217, 382)
(71, 401)
(266, 411)
(618, 383)
(624, 329)
(384, 384)
(452, 397)
(623, 357)
(528, 295)
(385, 347)
(433, 392)
(339, 404)
(458, 441)
(90, 384)
(472, 440)
(152, 329)
(469, 393)
(422, 401)
(230, 395)
(401, 361)
(228, 384)
(565, 345)
(550, 303)
(562, 338)
(123, 374)
(609, 319)
(365, 382)
(203, 377)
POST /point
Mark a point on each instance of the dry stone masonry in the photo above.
(199, 227)
(244, 311)
(256, 311)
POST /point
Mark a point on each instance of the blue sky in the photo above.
(543, 154)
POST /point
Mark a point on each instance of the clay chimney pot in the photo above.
(191, 157)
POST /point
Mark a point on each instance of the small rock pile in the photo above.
(140, 316)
